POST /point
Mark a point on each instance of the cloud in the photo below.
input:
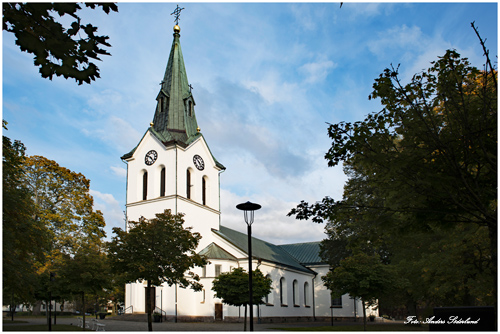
(111, 209)
(398, 38)
(271, 223)
(272, 88)
(119, 171)
(317, 71)
(245, 130)
(113, 131)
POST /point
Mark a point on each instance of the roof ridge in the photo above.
(302, 243)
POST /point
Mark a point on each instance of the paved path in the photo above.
(142, 326)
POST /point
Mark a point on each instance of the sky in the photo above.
(266, 77)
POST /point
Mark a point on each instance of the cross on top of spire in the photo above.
(177, 13)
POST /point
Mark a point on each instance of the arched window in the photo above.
(306, 294)
(188, 184)
(144, 186)
(204, 190)
(295, 293)
(162, 182)
(269, 297)
(283, 291)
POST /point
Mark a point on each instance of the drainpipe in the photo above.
(313, 294)
(222, 171)
(126, 197)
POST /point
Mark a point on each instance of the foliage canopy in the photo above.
(232, 287)
(58, 50)
(422, 184)
(25, 240)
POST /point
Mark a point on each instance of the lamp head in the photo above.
(248, 208)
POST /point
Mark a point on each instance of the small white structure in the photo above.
(172, 168)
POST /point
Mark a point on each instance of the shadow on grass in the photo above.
(359, 328)
(40, 328)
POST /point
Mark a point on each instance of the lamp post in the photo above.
(248, 209)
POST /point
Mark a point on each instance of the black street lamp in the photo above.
(52, 279)
(248, 209)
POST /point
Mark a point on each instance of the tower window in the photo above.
(188, 184)
(144, 186)
(204, 191)
(162, 182)
(190, 108)
(162, 106)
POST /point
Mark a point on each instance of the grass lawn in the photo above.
(359, 328)
(40, 328)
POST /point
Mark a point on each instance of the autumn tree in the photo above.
(24, 240)
(158, 250)
(63, 203)
(68, 51)
(424, 166)
(232, 288)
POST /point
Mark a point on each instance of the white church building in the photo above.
(173, 168)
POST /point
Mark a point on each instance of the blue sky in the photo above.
(266, 77)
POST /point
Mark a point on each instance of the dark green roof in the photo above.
(306, 253)
(214, 251)
(175, 120)
(260, 249)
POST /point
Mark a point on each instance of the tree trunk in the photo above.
(412, 308)
(12, 306)
(493, 231)
(36, 308)
(148, 306)
(83, 309)
(245, 322)
(364, 313)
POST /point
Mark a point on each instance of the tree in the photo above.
(159, 250)
(232, 288)
(87, 272)
(423, 166)
(58, 50)
(361, 276)
(431, 152)
(63, 203)
(24, 240)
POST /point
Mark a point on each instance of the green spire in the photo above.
(174, 119)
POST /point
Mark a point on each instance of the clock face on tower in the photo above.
(150, 157)
(198, 162)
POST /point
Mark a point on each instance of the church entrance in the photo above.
(218, 312)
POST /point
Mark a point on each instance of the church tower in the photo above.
(172, 166)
